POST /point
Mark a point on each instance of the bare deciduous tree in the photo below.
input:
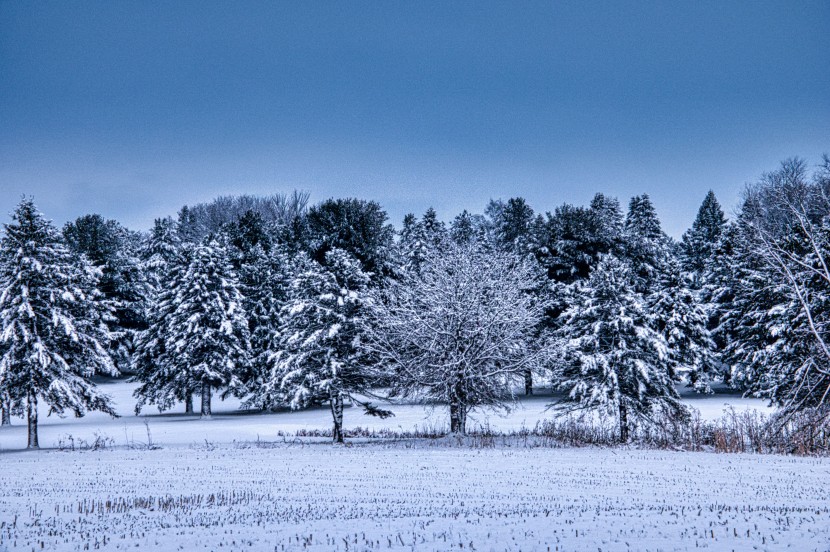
(462, 330)
(787, 214)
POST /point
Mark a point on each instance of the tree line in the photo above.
(284, 304)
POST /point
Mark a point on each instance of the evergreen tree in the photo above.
(266, 285)
(779, 316)
(115, 251)
(210, 339)
(418, 239)
(355, 226)
(511, 223)
(53, 322)
(160, 251)
(565, 244)
(682, 322)
(647, 248)
(198, 337)
(154, 365)
(190, 229)
(570, 241)
(248, 238)
(699, 242)
(163, 256)
(613, 358)
(319, 357)
(469, 229)
(608, 223)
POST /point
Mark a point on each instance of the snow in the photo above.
(437, 497)
(229, 424)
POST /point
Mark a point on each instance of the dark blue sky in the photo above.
(132, 109)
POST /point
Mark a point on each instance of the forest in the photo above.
(281, 303)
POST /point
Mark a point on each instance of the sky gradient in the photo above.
(132, 109)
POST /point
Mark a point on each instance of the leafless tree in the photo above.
(462, 330)
(787, 215)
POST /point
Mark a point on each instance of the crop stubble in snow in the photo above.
(376, 497)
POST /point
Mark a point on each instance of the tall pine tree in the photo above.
(682, 321)
(53, 322)
(198, 337)
(698, 244)
(319, 357)
(646, 248)
(613, 358)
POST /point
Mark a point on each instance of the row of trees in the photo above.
(281, 304)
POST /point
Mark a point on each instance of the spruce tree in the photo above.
(198, 337)
(356, 226)
(699, 242)
(114, 250)
(160, 250)
(208, 332)
(165, 258)
(613, 359)
(419, 238)
(53, 322)
(682, 321)
(468, 229)
(512, 223)
(319, 357)
(266, 284)
(646, 247)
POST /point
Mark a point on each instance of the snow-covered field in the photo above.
(212, 486)
(229, 424)
(390, 497)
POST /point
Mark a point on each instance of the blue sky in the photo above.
(131, 109)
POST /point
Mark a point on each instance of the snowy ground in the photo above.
(211, 486)
(389, 497)
(229, 424)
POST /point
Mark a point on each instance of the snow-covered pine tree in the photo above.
(266, 284)
(207, 336)
(699, 242)
(419, 238)
(463, 330)
(356, 226)
(114, 250)
(570, 241)
(608, 223)
(780, 314)
(744, 302)
(646, 247)
(198, 336)
(53, 322)
(682, 322)
(167, 259)
(613, 359)
(511, 224)
(319, 357)
(160, 250)
(467, 229)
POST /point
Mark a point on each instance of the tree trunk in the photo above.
(188, 403)
(623, 423)
(336, 400)
(205, 400)
(458, 417)
(7, 410)
(31, 408)
(528, 382)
